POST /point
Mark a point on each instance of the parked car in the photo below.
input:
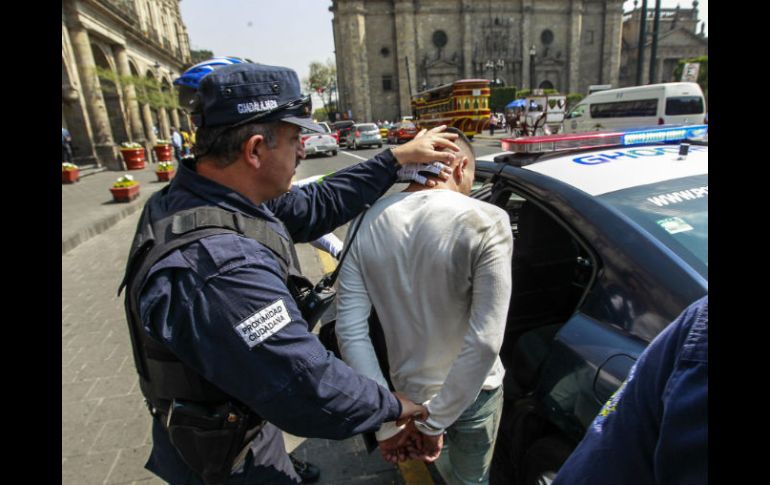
(316, 143)
(401, 132)
(363, 135)
(328, 129)
(341, 128)
(610, 245)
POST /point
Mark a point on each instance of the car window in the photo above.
(675, 212)
(407, 125)
(684, 105)
(368, 127)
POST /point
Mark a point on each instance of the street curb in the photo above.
(99, 227)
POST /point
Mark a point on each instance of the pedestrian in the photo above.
(435, 265)
(176, 142)
(654, 429)
(185, 143)
(66, 146)
(221, 333)
(492, 124)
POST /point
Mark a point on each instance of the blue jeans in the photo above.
(470, 441)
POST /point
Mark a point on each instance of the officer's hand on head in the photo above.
(423, 148)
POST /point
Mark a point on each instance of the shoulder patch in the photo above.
(264, 323)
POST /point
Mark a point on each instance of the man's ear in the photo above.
(252, 148)
(459, 170)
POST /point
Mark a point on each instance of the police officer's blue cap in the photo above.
(242, 93)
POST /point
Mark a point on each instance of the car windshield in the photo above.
(408, 126)
(675, 212)
(368, 127)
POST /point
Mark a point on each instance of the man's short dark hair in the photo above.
(223, 143)
(462, 137)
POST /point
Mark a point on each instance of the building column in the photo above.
(612, 42)
(361, 104)
(467, 39)
(175, 118)
(149, 135)
(575, 38)
(405, 54)
(129, 94)
(164, 130)
(526, 41)
(106, 152)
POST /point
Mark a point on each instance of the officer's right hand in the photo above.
(410, 410)
(423, 148)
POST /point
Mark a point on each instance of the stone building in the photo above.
(140, 38)
(387, 50)
(678, 38)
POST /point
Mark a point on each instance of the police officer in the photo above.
(654, 429)
(224, 354)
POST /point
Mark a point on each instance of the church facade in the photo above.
(388, 50)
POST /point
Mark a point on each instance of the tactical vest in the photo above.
(162, 376)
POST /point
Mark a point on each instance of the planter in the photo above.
(134, 158)
(165, 176)
(125, 194)
(163, 153)
(70, 176)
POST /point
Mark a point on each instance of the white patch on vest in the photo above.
(263, 324)
(254, 106)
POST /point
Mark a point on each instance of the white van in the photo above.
(653, 104)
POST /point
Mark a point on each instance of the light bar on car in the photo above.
(551, 143)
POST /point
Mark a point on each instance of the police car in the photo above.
(611, 244)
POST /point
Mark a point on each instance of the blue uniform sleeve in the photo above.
(227, 313)
(312, 210)
(654, 428)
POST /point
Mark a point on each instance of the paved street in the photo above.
(105, 426)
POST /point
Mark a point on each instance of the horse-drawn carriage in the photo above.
(537, 114)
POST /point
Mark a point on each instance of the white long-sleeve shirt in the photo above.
(436, 265)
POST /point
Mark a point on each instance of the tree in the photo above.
(200, 55)
(323, 81)
(703, 73)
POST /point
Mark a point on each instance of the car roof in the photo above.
(603, 170)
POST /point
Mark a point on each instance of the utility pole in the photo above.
(642, 38)
(654, 49)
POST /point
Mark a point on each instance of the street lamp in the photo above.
(495, 66)
(532, 52)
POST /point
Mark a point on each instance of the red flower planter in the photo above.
(163, 153)
(125, 194)
(70, 176)
(165, 176)
(134, 158)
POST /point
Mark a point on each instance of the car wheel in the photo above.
(543, 460)
(334, 153)
(354, 146)
(379, 145)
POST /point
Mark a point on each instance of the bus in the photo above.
(463, 104)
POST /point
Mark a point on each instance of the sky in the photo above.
(294, 34)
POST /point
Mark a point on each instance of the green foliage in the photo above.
(573, 99)
(703, 74)
(500, 96)
(320, 114)
(200, 55)
(148, 91)
(321, 79)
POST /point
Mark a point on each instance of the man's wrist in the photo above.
(426, 428)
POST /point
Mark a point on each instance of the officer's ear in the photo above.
(252, 149)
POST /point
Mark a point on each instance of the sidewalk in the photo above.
(105, 425)
(87, 206)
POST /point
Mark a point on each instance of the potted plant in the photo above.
(165, 171)
(69, 173)
(125, 189)
(163, 151)
(133, 155)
